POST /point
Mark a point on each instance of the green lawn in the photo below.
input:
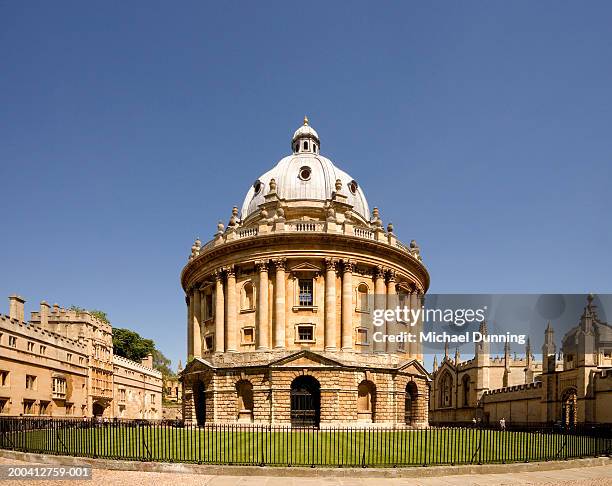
(306, 447)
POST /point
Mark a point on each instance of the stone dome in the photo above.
(306, 176)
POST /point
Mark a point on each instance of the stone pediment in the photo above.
(305, 267)
(304, 359)
(194, 365)
(414, 366)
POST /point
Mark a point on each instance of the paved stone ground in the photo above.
(591, 476)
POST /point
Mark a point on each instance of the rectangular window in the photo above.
(43, 409)
(122, 394)
(30, 382)
(30, 346)
(362, 336)
(305, 295)
(210, 342)
(12, 341)
(28, 407)
(42, 349)
(208, 305)
(59, 387)
(69, 357)
(248, 335)
(4, 378)
(3, 405)
(153, 398)
(69, 409)
(305, 333)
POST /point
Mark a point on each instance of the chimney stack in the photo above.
(148, 361)
(44, 314)
(16, 307)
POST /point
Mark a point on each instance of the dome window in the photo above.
(305, 145)
(257, 185)
(304, 173)
(353, 186)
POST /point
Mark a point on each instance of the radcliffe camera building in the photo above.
(279, 306)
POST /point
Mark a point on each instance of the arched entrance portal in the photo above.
(410, 403)
(305, 402)
(98, 409)
(569, 408)
(199, 399)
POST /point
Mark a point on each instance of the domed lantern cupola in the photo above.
(305, 139)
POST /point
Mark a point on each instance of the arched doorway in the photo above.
(199, 401)
(366, 401)
(305, 402)
(244, 405)
(98, 409)
(410, 403)
(569, 418)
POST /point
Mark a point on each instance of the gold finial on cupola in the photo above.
(305, 121)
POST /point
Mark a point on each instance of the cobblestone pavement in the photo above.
(591, 476)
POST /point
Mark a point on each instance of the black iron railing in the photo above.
(172, 441)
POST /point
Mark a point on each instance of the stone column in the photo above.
(347, 306)
(189, 326)
(391, 304)
(231, 323)
(196, 300)
(263, 324)
(380, 300)
(330, 304)
(279, 304)
(412, 348)
(219, 313)
(418, 345)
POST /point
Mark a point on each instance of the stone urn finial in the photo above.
(390, 228)
(338, 184)
(272, 185)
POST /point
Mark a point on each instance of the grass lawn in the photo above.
(305, 447)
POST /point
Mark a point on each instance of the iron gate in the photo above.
(305, 404)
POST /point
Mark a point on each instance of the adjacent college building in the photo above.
(570, 387)
(61, 363)
(280, 302)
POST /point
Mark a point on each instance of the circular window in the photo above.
(257, 185)
(353, 186)
(304, 173)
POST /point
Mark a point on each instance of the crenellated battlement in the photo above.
(35, 331)
(134, 366)
(509, 389)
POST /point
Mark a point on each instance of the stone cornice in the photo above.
(301, 245)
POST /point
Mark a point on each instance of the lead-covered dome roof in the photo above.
(305, 176)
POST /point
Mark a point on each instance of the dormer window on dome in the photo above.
(305, 139)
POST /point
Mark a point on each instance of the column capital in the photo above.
(218, 274)
(331, 264)
(261, 266)
(378, 272)
(391, 276)
(230, 271)
(280, 263)
(348, 266)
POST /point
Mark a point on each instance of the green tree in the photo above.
(131, 345)
(162, 364)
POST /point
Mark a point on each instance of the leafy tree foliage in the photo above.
(101, 315)
(131, 345)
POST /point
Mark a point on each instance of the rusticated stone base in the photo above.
(213, 389)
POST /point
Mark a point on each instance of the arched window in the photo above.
(465, 384)
(244, 403)
(362, 298)
(410, 403)
(446, 390)
(248, 297)
(366, 401)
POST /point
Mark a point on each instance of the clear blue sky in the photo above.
(482, 130)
